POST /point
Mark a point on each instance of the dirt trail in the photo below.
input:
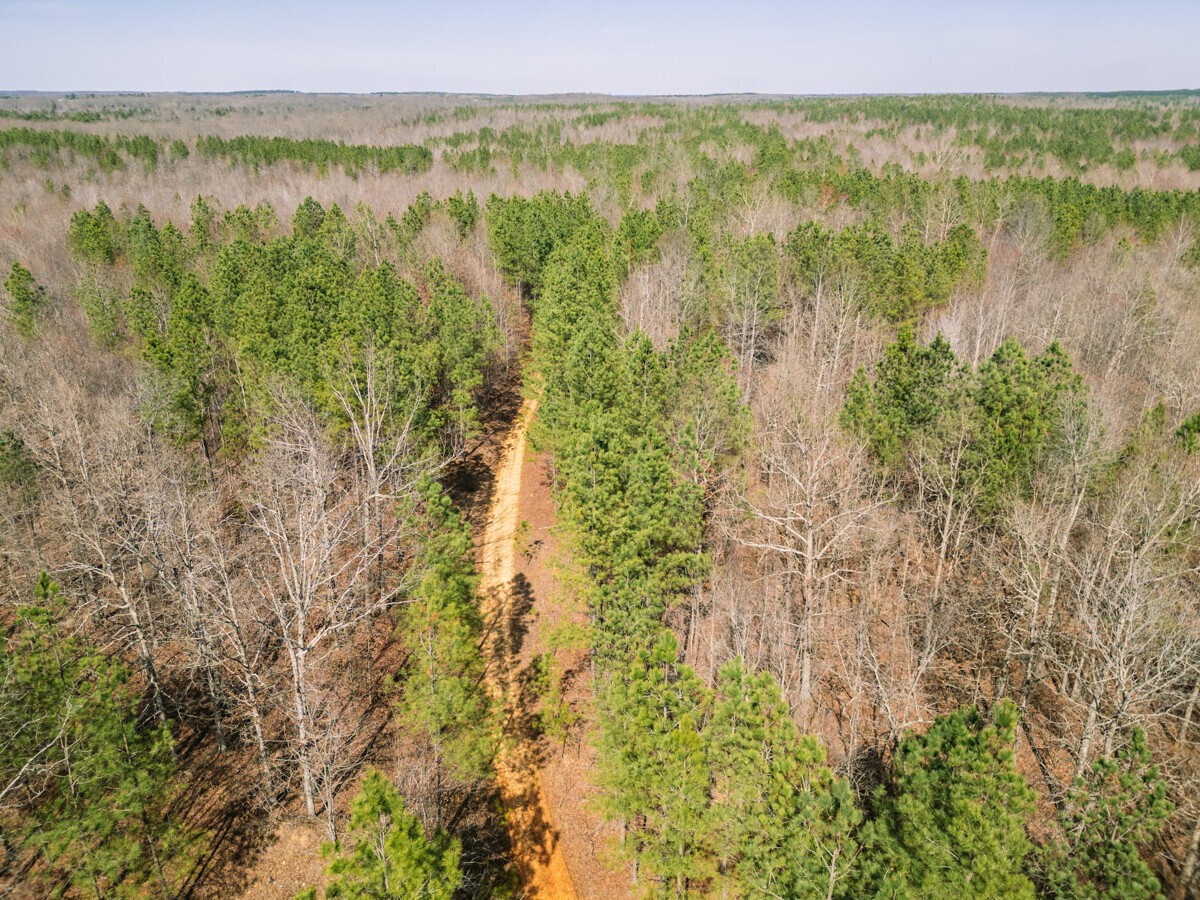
(536, 849)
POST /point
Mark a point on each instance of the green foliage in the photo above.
(254, 151)
(780, 823)
(652, 762)
(950, 822)
(442, 700)
(308, 219)
(558, 717)
(1190, 157)
(96, 785)
(464, 212)
(914, 387)
(995, 427)
(95, 236)
(202, 232)
(17, 467)
(1188, 433)
(385, 854)
(220, 312)
(47, 148)
(707, 420)
(523, 233)
(898, 281)
(1109, 816)
(636, 240)
(748, 280)
(464, 335)
(1020, 404)
(26, 299)
(418, 215)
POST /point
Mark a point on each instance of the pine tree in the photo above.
(442, 699)
(98, 785)
(308, 219)
(558, 717)
(652, 764)
(463, 334)
(914, 387)
(950, 822)
(1108, 818)
(26, 299)
(781, 825)
(385, 854)
(464, 212)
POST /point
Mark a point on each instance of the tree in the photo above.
(26, 299)
(950, 821)
(781, 824)
(316, 582)
(308, 219)
(913, 388)
(464, 212)
(463, 335)
(652, 764)
(385, 854)
(1108, 818)
(96, 786)
(557, 717)
(812, 511)
(442, 699)
(750, 305)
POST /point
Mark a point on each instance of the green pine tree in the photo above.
(1108, 819)
(385, 854)
(442, 699)
(26, 299)
(781, 825)
(652, 764)
(99, 789)
(950, 822)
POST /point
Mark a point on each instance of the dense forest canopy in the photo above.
(865, 495)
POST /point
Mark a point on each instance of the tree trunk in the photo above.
(301, 706)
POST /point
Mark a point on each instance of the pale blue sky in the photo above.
(656, 46)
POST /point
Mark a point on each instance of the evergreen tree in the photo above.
(98, 785)
(463, 334)
(26, 299)
(558, 717)
(308, 219)
(464, 212)
(914, 386)
(1109, 817)
(442, 699)
(950, 821)
(652, 763)
(781, 825)
(1019, 403)
(385, 854)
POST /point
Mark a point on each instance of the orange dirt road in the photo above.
(536, 850)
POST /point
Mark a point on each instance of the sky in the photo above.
(617, 47)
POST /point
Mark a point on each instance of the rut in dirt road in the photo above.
(536, 848)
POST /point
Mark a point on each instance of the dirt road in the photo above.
(536, 850)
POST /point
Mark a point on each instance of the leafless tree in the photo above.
(813, 512)
(316, 576)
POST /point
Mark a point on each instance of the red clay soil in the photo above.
(565, 779)
(536, 848)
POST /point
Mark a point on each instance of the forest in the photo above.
(461, 496)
